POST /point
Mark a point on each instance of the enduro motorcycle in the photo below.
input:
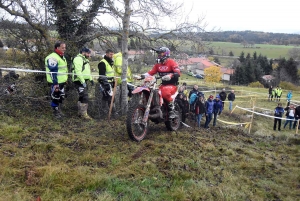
(150, 106)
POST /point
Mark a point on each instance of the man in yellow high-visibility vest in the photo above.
(56, 66)
(117, 65)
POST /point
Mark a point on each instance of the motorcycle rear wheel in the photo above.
(135, 128)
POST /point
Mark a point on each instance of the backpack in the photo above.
(193, 98)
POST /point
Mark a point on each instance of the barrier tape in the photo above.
(263, 114)
(233, 123)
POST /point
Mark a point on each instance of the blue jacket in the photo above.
(278, 112)
(209, 105)
(289, 96)
(218, 106)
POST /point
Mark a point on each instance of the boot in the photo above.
(83, 111)
(171, 108)
(56, 113)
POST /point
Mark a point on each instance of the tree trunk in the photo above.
(125, 35)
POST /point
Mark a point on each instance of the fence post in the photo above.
(112, 98)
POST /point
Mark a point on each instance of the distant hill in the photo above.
(252, 37)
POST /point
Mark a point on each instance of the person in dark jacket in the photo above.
(223, 96)
(218, 107)
(199, 109)
(209, 107)
(185, 109)
(231, 98)
(194, 90)
(279, 111)
(270, 93)
(297, 116)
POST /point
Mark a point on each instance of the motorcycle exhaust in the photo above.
(157, 114)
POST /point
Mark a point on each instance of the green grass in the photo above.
(76, 160)
(271, 51)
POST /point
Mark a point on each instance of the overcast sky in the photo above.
(257, 15)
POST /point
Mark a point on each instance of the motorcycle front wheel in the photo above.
(136, 129)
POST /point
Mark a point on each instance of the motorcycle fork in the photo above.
(145, 118)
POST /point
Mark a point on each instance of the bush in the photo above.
(256, 85)
(15, 55)
(287, 86)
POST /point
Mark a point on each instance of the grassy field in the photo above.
(271, 51)
(95, 160)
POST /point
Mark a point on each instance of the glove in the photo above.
(166, 78)
(107, 87)
(92, 82)
(84, 85)
(142, 76)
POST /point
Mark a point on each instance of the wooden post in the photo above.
(112, 98)
(250, 126)
(297, 126)
(233, 109)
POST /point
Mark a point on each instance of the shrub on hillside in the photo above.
(256, 85)
(15, 55)
(287, 85)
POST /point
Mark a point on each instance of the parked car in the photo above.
(199, 76)
(191, 74)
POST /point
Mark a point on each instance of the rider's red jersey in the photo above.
(170, 66)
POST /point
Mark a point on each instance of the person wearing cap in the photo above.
(218, 107)
(223, 96)
(57, 69)
(81, 75)
(169, 72)
(231, 98)
(209, 110)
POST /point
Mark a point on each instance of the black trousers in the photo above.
(275, 124)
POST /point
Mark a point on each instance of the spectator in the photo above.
(209, 108)
(185, 109)
(185, 91)
(194, 90)
(231, 98)
(223, 96)
(270, 93)
(289, 97)
(273, 95)
(279, 93)
(297, 116)
(218, 107)
(279, 111)
(200, 109)
(181, 90)
(276, 92)
(289, 115)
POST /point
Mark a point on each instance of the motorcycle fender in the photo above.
(139, 89)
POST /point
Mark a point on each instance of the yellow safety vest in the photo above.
(82, 69)
(118, 68)
(62, 68)
(109, 72)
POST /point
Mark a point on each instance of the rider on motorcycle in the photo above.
(169, 71)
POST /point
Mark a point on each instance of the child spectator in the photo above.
(209, 107)
(218, 107)
(279, 111)
(199, 109)
(289, 115)
(185, 109)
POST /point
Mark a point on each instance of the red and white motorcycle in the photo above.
(150, 106)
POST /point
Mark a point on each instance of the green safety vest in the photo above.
(62, 68)
(118, 68)
(273, 92)
(81, 69)
(279, 92)
(109, 70)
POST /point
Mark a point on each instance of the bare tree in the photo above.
(145, 20)
(294, 53)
